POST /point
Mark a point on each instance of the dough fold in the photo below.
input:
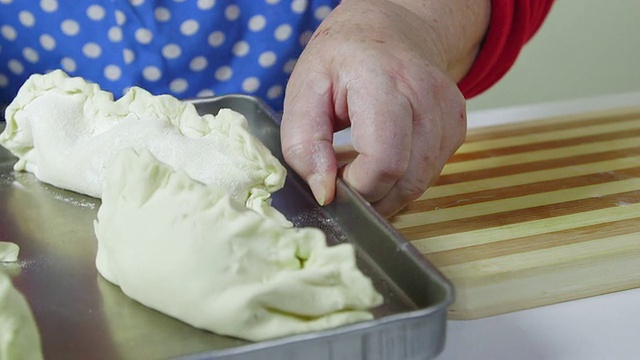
(186, 249)
(66, 131)
(19, 337)
(9, 251)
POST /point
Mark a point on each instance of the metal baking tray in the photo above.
(80, 315)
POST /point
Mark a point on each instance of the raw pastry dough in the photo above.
(187, 250)
(66, 131)
(8, 251)
(19, 337)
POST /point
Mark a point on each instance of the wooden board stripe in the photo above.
(581, 254)
(530, 177)
(553, 124)
(528, 188)
(528, 145)
(525, 229)
(562, 135)
(498, 216)
(497, 169)
(534, 242)
(564, 153)
(594, 194)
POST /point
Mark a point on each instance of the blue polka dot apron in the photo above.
(186, 48)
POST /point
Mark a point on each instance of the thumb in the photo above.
(306, 132)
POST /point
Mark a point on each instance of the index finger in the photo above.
(307, 131)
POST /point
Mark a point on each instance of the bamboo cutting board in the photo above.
(535, 213)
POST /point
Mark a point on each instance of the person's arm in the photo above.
(459, 25)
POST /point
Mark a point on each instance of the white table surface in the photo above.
(605, 327)
(597, 328)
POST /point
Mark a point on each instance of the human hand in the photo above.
(390, 74)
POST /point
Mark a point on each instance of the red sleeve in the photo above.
(513, 23)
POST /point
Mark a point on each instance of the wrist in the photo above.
(459, 27)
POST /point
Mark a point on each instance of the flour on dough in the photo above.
(187, 250)
(66, 131)
(19, 337)
(9, 251)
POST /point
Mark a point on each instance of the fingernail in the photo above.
(317, 188)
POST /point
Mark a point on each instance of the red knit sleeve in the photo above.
(513, 23)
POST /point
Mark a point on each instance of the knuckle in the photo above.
(294, 151)
(392, 171)
(297, 156)
(411, 189)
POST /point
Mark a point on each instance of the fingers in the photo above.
(307, 132)
(437, 133)
(381, 135)
(424, 166)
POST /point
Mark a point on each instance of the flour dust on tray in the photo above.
(188, 250)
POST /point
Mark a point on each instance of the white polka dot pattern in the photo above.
(151, 73)
(70, 27)
(171, 51)
(95, 12)
(322, 12)
(305, 37)
(15, 66)
(232, 12)
(216, 38)
(198, 63)
(251, 84)
(112, 72)
(49, 5)
(128, 55)
(115, 34)
(30, 55)
(283, 32)
(189, 27)
(289, 65)
(162, 14)
(26, 18)
(8, 32)
(274, 92)
(205, 93)
(47, 42)
(92, 50)
(267, 59)
(223, 73)
(257, 23)
(68, 64)
(299, 6)
(206, 4)
(240, 49)
(187, 48)
(178, 86)
(121, 18)
(143, 36)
